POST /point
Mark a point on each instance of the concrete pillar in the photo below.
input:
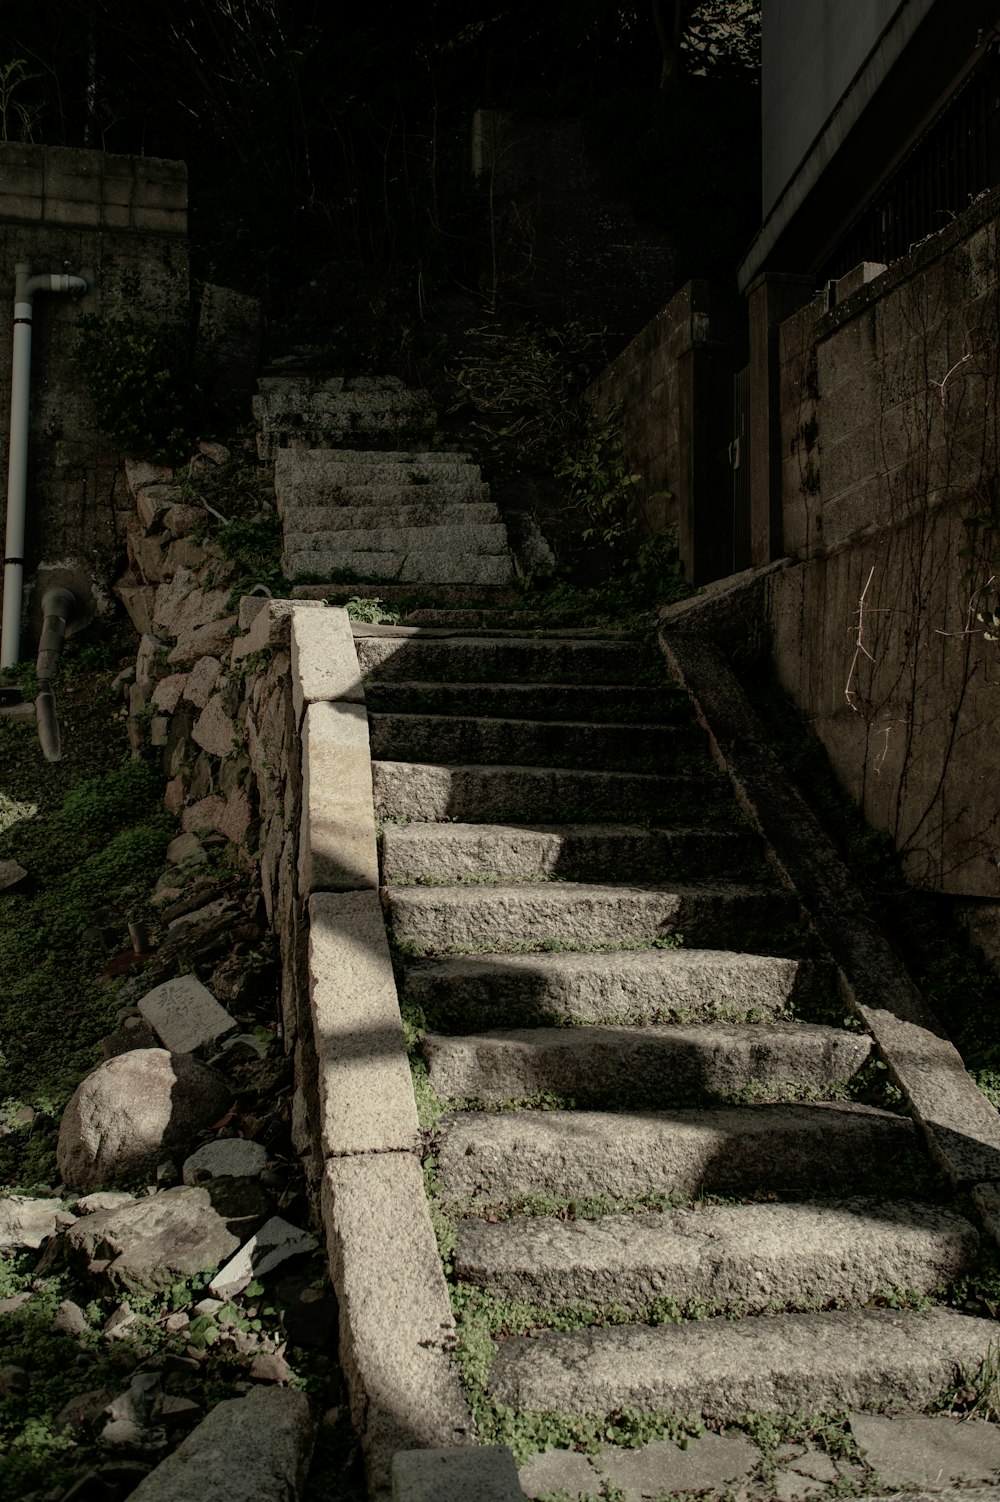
(773, 297)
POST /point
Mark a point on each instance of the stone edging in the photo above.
(961, 1127)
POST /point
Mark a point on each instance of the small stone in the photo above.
(179, 1410)
(270, 1367)
(226, 1156)
(207, 813)
(186, 850)
(175, 1322)
(216, 452)
(159, 730)
(118, 1324)
(185, 1015)
(11, 874)
(208, 640)
(12, 1304)
(174, 1234)
(167, 693)
(274, 1242)
(69, 1319)
(104, 1199)
(200, 917)
(181, 520)
(214, 729)
(208, 1306)
(13, 1381)
(26, 1222)
(202, 680)
(83, 1410)
(120, 1434)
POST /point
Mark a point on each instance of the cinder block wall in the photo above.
(120, 222)
(889, 435)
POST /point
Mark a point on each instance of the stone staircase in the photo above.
(646, 1100)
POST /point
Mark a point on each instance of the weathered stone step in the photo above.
(330, 499)
(724, 1368)
(543, 915)
(741, 1258)
(655, 1066)
(598, 703)
(334, 405)
(421, 792)
(313, 474)
(503, 660)
(570, 852)
(640, 986)
(487, 1158)
(303, 523)
(415, 567)
(535, 743)
(488, 539)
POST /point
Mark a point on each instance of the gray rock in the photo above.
(214, 729)
(107, 1199)
(225, 1157)
(27, 1222)
(10, 875)
(246, 1449)
(171, 1235)
(185, 1015)
(274, 1242)
(928, 1450)
(715, 1461)
(130, 1111)
(69, 1319)
(473, 1473)
(186, 849)
(560, 1471)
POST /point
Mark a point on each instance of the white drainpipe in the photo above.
(17, 466)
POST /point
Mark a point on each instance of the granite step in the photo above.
(310, 475)
(640, 986)
(449, 539)
(419, 792)
(488, 1158)
(535, 743)
(594, 703)
(305, 522)
(417, 566)
(743, 1259)
(570, 852)
(333, 492)
(723, 1369)
(657, 1066)
(505, 660)
(546, 915)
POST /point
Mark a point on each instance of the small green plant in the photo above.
(371, 611)
(135, 374)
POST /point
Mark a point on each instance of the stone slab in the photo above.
(11, 874)
(707, 1462)
(265, 623)
(583, 914)
(185, 1015)
(647, 985)
(418, 736)
(415, 511)
(658, 1065)
(365, 1092)
(459, 659)
(246, 1449)
(479, 1473)
(201, 681)
(226, 1157)
(324, 662)
(273, 1244)
(396, 1329)
(155, 1241)
(561, 1471)
(214, 730)
(486, 1157)
(337, 843)
(26, 1222)
(737, 1257)
(725, 1368)
(930, 1450)
(414, 567)
(211, 640)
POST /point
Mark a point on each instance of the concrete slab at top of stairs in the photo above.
(365, 1088)
(396, 1322)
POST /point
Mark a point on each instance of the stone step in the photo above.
(640, 986)
(544, 915)
(415, 567)
(657, 1066)
(303, 523)
(402, 596)
(739, 1258)
(570, 852)
(421, 792)
(287, 404)
(722, 1368)
(488, 539)
(504, 660)
(488, 1158)
(329, 500)
(536, 743)
(304, 476)
(597, 703)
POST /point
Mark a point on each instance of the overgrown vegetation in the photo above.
(137, 376)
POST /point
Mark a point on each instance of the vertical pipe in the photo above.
(17, 471)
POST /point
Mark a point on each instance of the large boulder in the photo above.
(131, 1111)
